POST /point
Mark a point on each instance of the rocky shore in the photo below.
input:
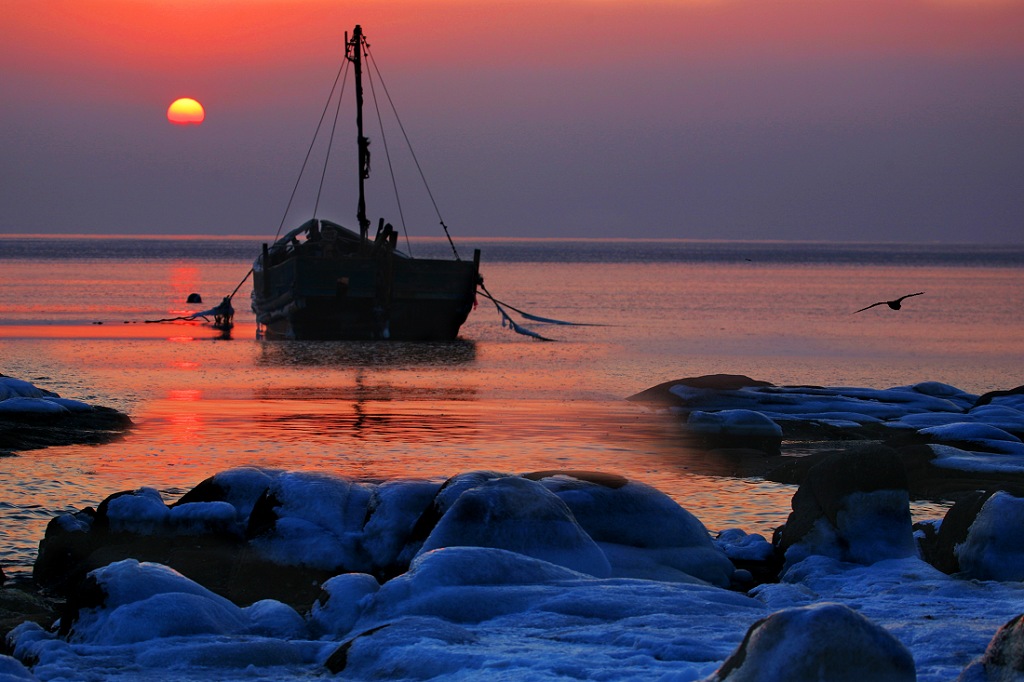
(294, 573)
(949, 441)
(32, 418)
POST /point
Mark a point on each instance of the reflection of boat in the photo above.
(323, 281)
(397, 355)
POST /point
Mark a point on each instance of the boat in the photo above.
(323, 281)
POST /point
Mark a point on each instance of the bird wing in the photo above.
(909, 295)
(870, 306)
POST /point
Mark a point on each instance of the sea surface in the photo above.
(74, 312)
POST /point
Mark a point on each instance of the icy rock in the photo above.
(465, 585)
(994, 547)
(735, 429)
(852, 506)
(938, 547)
(445, 497)
(970, 432)
(241, 487)
(128, 601)
(393, 532)
(821, 642)
(139, 511)
(271, 618)
(341, 602)
(311, 520)
(11, 670)
(1003, 660)
(1013, 397)
(18, 388)
(364, 650)
(32, 418)
(71, 405)
(740, 545)
(31, 406)
(522, 516)
(617, 514)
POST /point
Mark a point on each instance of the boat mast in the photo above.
(354, 53)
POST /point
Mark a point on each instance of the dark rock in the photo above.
(712, 382)
(338, 660)
(825, 516)
(264, 515)
(1003, 660)
(987, 398)
(251, 578)
(994, 543)
(821, 642)
(66, 544)
(612, 481)
(21, 601)
(940, 550)
(32, 431)
(88, 594)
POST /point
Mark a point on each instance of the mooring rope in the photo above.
(506, 319)
(223, 315)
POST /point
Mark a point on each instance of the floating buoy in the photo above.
(194, 298)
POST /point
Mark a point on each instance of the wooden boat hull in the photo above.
(364, 298)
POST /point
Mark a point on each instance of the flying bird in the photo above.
(895, 304)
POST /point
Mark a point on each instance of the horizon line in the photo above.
(691, 240)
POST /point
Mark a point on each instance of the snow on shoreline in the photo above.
(463, 610)
(554, 575)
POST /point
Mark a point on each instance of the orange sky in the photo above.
(174, 36)
(84, 76)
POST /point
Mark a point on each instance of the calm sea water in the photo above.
(72, 319)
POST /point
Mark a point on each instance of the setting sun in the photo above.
(186, 111)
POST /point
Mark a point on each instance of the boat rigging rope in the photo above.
(342, 70)
(387, 155)
(408, 144)
(330, 144)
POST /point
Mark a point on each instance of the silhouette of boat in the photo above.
(322, 281)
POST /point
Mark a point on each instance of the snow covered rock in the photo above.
(32, 418)
(617, 514)
(820, 642)
(18, 388)
(19, 406)
(341, 602)
(11, 670)
(852, 506)
(994, 546)
(1003, 659)
(312, 520)
(735, 429)
(241, 487)
(939, 542)
(522, 516)
(129, 601)
(405, 635)
(975, 437)
(252, 534)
